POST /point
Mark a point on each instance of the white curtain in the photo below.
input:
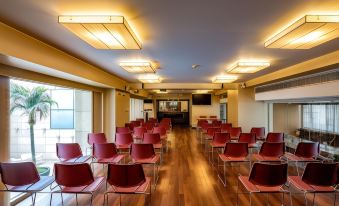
(322, 117)
(136, 109)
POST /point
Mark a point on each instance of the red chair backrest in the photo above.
(19, 174)
(139, 131)
(259, 132)
(73, 175)
(272, 149)
(206, 125)
(152, 138)
(213, 116)
(153, 120)
(97, 138)
(141, 120)
(216, 123)
(212, 130)
(235, 131)
(123, 138)
(166, 121)
(201, 122)
(321, 174)
(105, 150)
(130, 126)
(247, 137)
(161, 130)
(149, 125)
(142, 151)
(221, 137)
(226, 126)
(130, 175)
(236, 149)
(67, 151)
(123, 130)
(307, 149)
(275, 137)
(268, 174)
(165, 125)
(136, 123)
(202, 116)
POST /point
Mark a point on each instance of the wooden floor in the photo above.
(187, 178)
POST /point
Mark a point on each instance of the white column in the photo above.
(4, 128)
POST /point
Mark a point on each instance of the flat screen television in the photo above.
(201, 99)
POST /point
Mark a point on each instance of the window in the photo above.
(322, 117)
(136, 109)
(62, 114)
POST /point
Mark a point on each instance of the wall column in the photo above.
(4, 128)
(97, 112)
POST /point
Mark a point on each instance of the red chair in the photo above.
(149, 126)
(249, 138)
(317, 178)
(218, 142)
(141, 120)
(213, 117)
(216, 123)
(259, 133)
(234, 152)
(152, 120)
(163, 135)
(225, 127)
(305, 152)
(96, 138)
(209, 135)
(203, 116)
(76, 179)
(154, 138)
(275, 137)
(123, 140)
(70, 152)
(23, 177)
(203, 130)
(106, 153)
(145, 154)
(235, 133)
(138, 133)
(127, 179)
(270, 152)
(265, 178)
(123, 130)
(130, 126)
(199, 125)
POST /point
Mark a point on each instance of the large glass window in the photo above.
(136, 109)
(322, 117)
(68, 119)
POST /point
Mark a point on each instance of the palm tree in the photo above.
(32, 102)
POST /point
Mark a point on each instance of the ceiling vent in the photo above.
(323, 77)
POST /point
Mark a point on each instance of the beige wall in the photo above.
(232, 107)
(97, 111)
(251, 113)
(4, 128)
(207, 110)
(122, 107)
(286, 118)
(109, 114)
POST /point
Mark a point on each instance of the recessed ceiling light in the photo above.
(138, 67)
(224, 79)
(102, 32)
(248, 66)
(150, 79)
(202, 91)
(307, 32)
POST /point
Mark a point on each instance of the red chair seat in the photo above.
(253, 145)
(151, 160)
(225, 158)
(78, 159)
(266, 158)
(157, 146)
(115, 159)
(258, 188)
(217, 145)
(296, 158)
(136, 189)
(163, 137)
(85, 189)
(38, 186)
(123, 146)
(301, 185)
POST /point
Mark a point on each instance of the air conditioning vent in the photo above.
(318, 78)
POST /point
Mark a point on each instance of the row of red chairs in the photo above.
(76, 179)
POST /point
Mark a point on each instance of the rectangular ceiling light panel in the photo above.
(138, 67)
(307, 32)
(225, 79)
(102, 32)
(150, 79)
(248, 67)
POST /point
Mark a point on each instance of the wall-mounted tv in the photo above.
(148, 101)
(201, 99)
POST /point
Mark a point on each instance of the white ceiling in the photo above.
(177, 33)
